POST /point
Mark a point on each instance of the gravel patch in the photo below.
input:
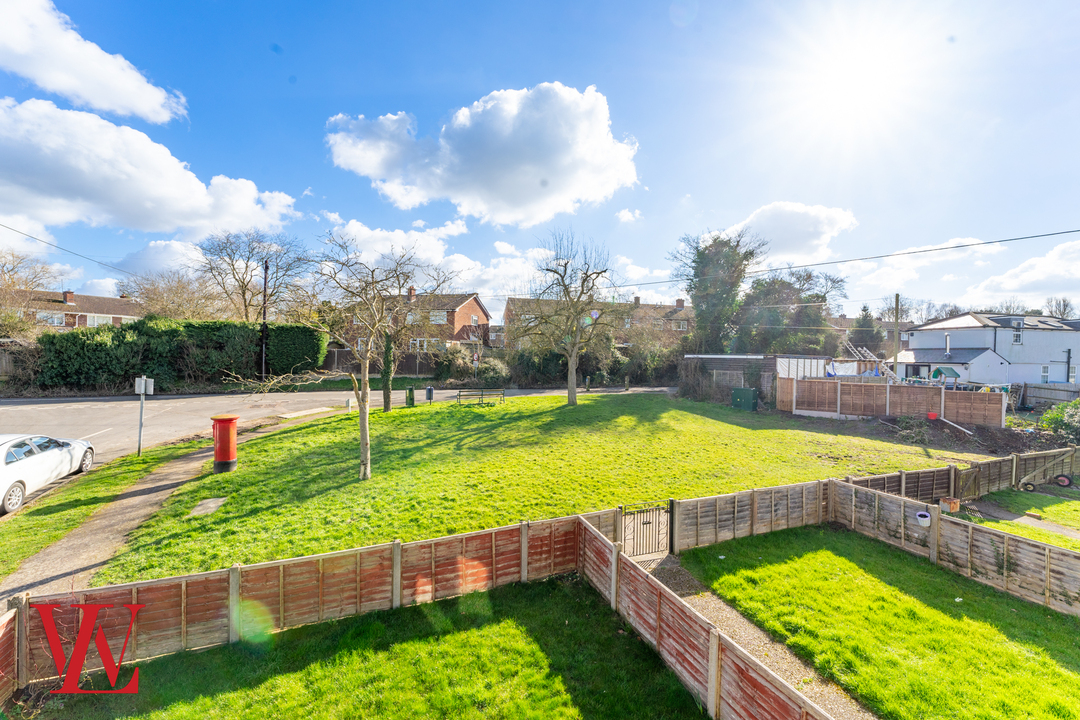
(774, 655)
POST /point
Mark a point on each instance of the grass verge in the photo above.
(445, 469)
(888, 627)
(42, 523)
(543, 650)
(1055, 504)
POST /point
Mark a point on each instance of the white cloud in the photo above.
(64, 166)
(505, 248)
(161, 255)
(626, 216)
(636, 272)
(1055, 273)
(38, 42)
(797, 233)
(306, 193)
(428, 245)
(104, 287)
(514, 157)
(949, 278)
(10, 240)
(894, 272)
(418, 223)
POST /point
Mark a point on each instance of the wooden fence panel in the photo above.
(301, 592)
(916, 537)
(565, 557)
(745, 692)
(8, 679)
(1025, 565)
(596, 561)
(843, 494)
(339, 586)
(864, 400)
(604, 521)
(973, 408)
(161, 626)
(478, 562)
(988, 557)
(1064, 580)
(448, 571)
(113, 622)
(953, 548)
(913, 400)
(709, 520)
(417, 573)
(638, 598)
(683, 642)
(507, 556)
(260, 587)
(376, 578)
(207, 610)
(784, 394)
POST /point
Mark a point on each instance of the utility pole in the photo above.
(896, 336)
(266, 282)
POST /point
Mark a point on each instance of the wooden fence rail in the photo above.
(849, 401)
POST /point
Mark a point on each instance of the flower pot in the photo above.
(923, 518)
(931, 416)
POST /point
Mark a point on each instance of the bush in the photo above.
(529, 368)
(913, 429)
(294, 349)
(1063, 419)
(493, 373)
(453, 363)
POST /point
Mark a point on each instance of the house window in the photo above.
(903, 336)
(658, 323)
(1018, 337)
(410, 318)
(127, 320)
(56, 319)
(418, 345)
(680, 325)
(438, 317)
(475, 320)
(95, 320)
(627, 322)
(1045, 374)
(1072, 373)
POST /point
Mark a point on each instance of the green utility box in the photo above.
(410, 397)
(744, 399)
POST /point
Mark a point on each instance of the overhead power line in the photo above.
(70, 252)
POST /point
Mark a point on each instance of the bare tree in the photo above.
(21, 276)
(1060, 307)
(178, 294)
(572, 303)
(887, 309)
(233, 263)
(1011, 306)
(357, 302)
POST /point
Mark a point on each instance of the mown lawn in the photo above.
(445, 469)
(45, 521)
(543, 650)
(1055, 504)
(907, 638)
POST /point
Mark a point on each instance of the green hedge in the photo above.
(172, 351)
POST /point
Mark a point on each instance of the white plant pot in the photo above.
(923, 518)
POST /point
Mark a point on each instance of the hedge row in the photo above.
(173, 351)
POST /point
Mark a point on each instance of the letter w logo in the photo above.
(74, 664)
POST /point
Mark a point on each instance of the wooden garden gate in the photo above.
(646, 528)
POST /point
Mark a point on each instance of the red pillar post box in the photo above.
(225, 442)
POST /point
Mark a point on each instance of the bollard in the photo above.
(627, 385)
(225, 442)
(410, 397)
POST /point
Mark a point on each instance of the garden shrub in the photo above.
(294, 349)
(1063, 419)
(453, 363)
(493, 372)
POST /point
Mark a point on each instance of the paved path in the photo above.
(987, 509)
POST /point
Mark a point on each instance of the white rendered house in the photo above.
(994, 349)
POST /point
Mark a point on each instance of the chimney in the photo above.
(948, 346)
(843, 316)
(69, 297)
(412, 293)
(123, 296)
(637, 300)
(680, 303)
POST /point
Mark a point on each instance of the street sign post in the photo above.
(143, 386)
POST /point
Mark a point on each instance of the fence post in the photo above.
(673, 532)
(952, 481)
(234, 603)
(942, 398)
(888, 385)
(839, 386)
(1015, 467)
(524, 529)
(854, 491)
(713, 697)
(1004, 407)
(935, 531)
(615, 550)
(395, 586)
(22, 640)
(832, 500)
(903, 483)
(618, 524)
(794, 394)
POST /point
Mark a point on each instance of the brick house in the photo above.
(65, 310)
(671, 322)
(844, 325)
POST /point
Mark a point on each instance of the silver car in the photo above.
(33, 461)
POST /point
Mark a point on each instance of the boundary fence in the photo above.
(226, 606)
(850, 401)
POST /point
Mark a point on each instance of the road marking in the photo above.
(84, 437)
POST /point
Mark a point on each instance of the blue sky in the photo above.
(130, 130)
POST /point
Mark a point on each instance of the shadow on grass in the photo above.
(417, 663)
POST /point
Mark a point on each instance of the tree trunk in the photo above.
(387, 373)
(571, 378)
(363, 399)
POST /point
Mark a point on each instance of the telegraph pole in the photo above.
(896, 336)
(266, 282)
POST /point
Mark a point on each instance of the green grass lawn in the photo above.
(887, 626)
(1055, 504)
(43, 522)
(398, 383)
(445, 469)
(542, 650)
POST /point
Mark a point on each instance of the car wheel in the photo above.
(14, 497)
(87, 461)
(1063, 480)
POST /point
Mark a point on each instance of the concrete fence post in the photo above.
(888, 384)
(952, 480)
(395, 586)
(903, 483)
(1015, 468)
(524, 529)
(20, 603)
(794, 394)
(943, 399)
(615, 550)
(839, 389)
(673, 536)
(935, 532)
(713, 697)
(618, 524)
(234, 603)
